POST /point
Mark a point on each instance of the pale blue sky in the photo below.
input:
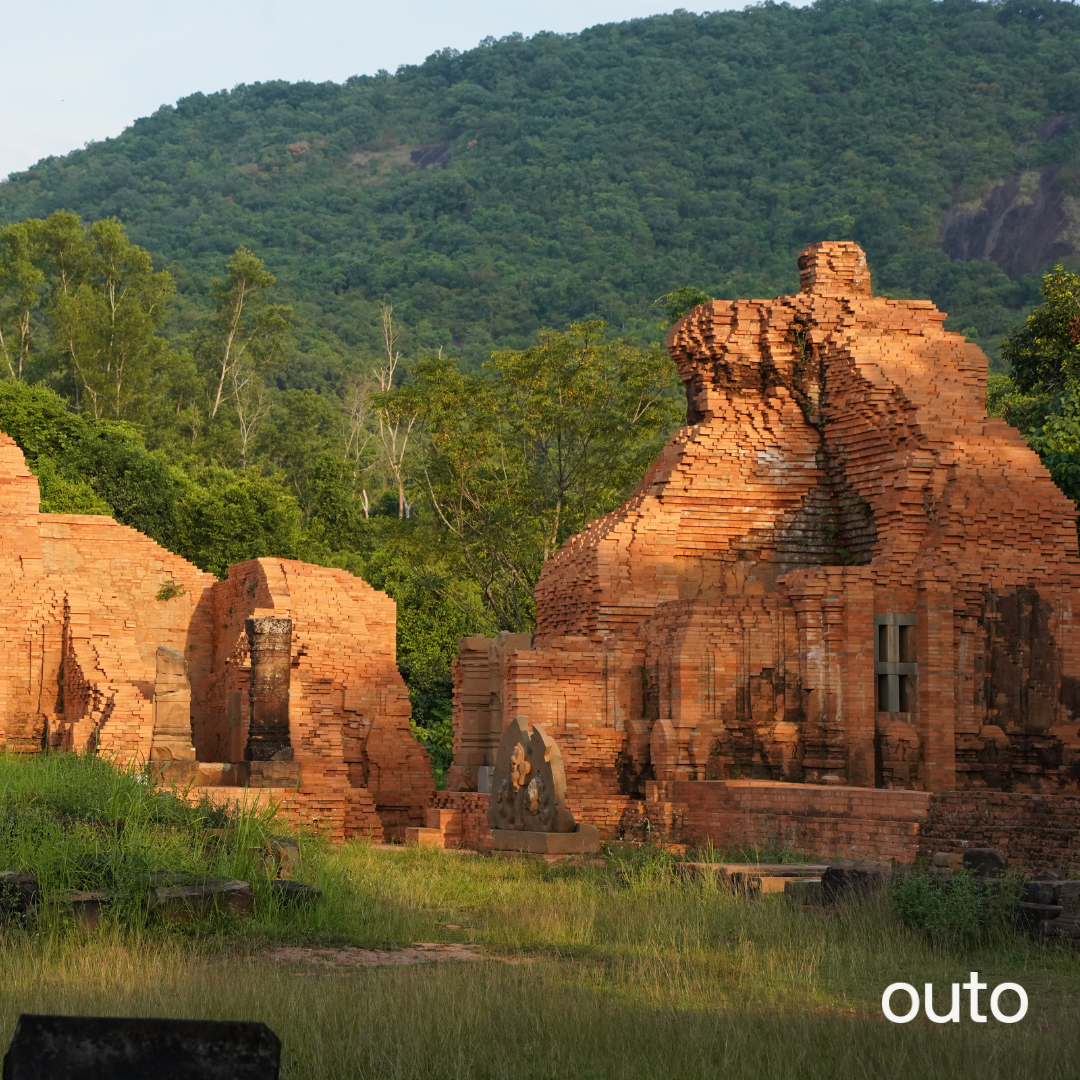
(76, 71)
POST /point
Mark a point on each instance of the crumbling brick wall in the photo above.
(839, 572)
(85, 604)
(1033, 831)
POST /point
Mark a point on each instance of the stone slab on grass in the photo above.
(181, 903)
(127, 1048)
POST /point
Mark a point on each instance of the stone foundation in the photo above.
(1034, 831)
(831, 822)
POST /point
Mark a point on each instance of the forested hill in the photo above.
(532, 182)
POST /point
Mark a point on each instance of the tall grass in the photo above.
(80, 823)
(620, 971)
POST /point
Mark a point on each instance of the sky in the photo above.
(76, 72)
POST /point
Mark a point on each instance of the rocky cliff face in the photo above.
(1024, 223)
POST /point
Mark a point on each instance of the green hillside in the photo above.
(300, 362)
(584, 175)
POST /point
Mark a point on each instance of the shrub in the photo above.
(956, 910)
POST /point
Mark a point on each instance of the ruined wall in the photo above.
(1034, 831)
(840, 572)
(86, 604)
(479, 673)
(348, 705)
(82, 622)
(835, 822)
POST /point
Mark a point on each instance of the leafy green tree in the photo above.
(107, 325)
(676, 304)
(1044, 353)
(21, 290)
(226, 518)
(212, 516)
(588, 413)
(1042, 396)
(516, 460)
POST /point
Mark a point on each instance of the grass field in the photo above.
(620, 971)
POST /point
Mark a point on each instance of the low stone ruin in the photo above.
(281, 678)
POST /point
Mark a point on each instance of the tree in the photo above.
(516, 460)
(1044, 353)
(476, 477)
(587, 411)
(394, 424)
(106, 319)
(676, 304)
(1042, 396)
(21, 290)
(358, 415)
(245, 334)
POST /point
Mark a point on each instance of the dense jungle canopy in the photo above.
(534, 182)
(250, 323)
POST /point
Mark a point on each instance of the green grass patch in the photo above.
(619, 971)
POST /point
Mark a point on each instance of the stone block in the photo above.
(804, 890)
(182, 903)
(843, 882)
(285, 852)
(1038, 892)
(985, 862)
(425, 837)
(441, 819)
(947, 860)
(769, 885)
(19, 893)
(121, 1048)
(1034, 917)
(87, 907)
(294, 893)
(584, 841)
(1068, 897)
(711, 873)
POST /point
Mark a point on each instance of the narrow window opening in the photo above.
(895, 663)
(905, 695)
(907, 644)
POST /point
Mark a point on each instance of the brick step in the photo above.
(425, 837)
(444, 820)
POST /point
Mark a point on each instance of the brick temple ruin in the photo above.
(840, 601)
(281, 678)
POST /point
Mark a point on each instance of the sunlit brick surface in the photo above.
(838, 469)
(82, 622)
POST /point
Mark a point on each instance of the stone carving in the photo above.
(529, 786)
(270, 645)
(172, 709)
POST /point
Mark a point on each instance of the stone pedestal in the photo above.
(270, 645)
(585, 840)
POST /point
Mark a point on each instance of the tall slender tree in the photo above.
(246, 333)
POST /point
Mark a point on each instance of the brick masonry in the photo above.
(83, 622)
(839, 574)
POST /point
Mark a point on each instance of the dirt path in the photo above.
(421, 952)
